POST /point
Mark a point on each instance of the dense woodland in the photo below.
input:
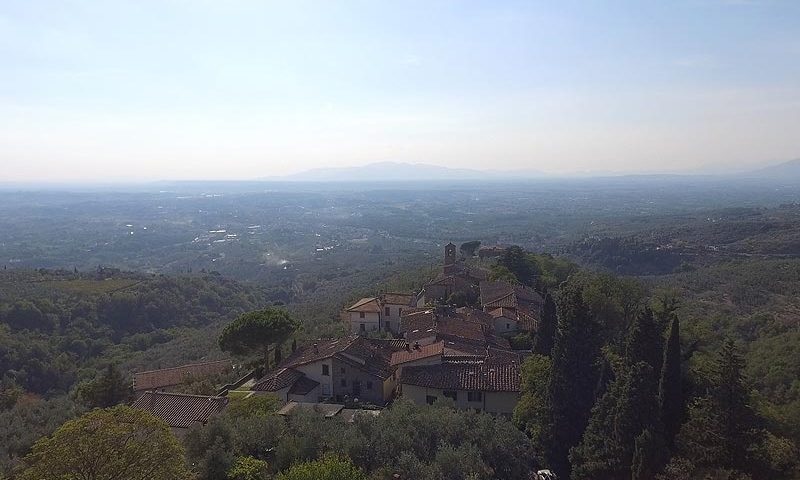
(670, 348)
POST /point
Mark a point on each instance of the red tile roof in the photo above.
(456, 376)
(417, 353)
(168, 377)
(398, 298)
(366, 305)
(277, 380)
(180, 410)
(369, 356)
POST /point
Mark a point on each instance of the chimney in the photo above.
(316, 349)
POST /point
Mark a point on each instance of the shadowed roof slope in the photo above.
(458, 376)
(179, 410)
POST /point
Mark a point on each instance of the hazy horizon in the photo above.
(160, 91)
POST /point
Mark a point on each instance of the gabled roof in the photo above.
(467, 376)
(303, 386)
(417, 353)
(179, 410)
(503, 312)
(278, 380)
(369, 356)
(393, 298)
(169, 377)
(507, 295)
(366, 305)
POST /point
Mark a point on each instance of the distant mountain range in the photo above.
(786, 170)
(402, 172)
(411, 172)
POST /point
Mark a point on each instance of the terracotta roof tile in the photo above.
(277, 380)
(456, 376)
(180, 410)
(168, 377)
(367, 305)
(412, 354)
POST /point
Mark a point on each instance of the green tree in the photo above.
(109, 389)
(107, 444)
(248, 468)
(531, 410)
(327, 468)
(518, 263)
(501, 273)
(545, 335)
(573, 378)
(670, 388)
(627, 409)
(468, 249)
(253, 406)
(257, 331)
(722, 430)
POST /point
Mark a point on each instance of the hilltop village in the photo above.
(421, 346)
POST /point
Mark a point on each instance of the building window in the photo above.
(430, 399)
(326, 370)
(452, 394)
(387, 311)
(369, 384)
(362, 327)
(399, 311)
(361, 315)
(474, 396)
(508, 326)
(388, 326)
(343, 382)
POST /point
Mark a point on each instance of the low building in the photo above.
(480, 386)
(342, 369)
(167, 379)
(514, 307)
(180, 411)
(383, 312)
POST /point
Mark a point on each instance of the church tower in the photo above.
(449, 254)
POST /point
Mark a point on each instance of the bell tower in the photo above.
(449, 254)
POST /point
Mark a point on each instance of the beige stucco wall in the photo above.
(501, 403)
(505, 324)
(371, 322)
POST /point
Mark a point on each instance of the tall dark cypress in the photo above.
(670, 391)
(645, 341)
(545, 334)
(570, 392)
(627, 409)
(737, 418)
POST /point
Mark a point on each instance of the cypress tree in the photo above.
(645, 341)
(722, 428)
(628, 408)
(573, 378)
(670, 393)
(545, 334)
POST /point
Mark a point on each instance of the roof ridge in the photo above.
(178, 394)
(183, 366)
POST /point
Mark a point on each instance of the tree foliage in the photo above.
(326, 468)
(573, 378)
(256, 331)
(108, 444)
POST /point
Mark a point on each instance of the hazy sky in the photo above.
(174, 89)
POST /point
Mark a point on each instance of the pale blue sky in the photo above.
(170, 89)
